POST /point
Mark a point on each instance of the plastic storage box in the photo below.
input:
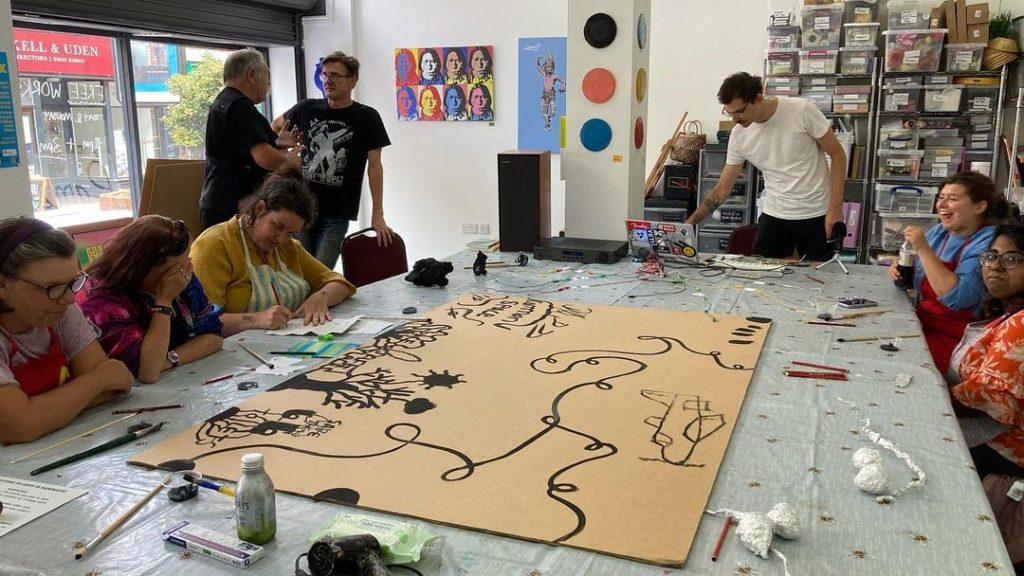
(913, 50)
(905, 198)
(943, 98)
(982, 99)
(857, 60)
(823, 100)
(821, 26)
(901, 97)
(783, 37)
(899, 164)
(818, 61)
(887, 229)
(909, 14)
(964, 57)
(859, 35)
(898, 135)
(861, 11)
(783, 61)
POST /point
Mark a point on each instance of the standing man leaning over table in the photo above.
(241, 147)
(786, 139)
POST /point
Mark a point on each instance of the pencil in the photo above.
(149, 409)
(721, 538)
(844, 324)
(256, 356)
(816, 280)
(870, 338)
(83, 434)
(295, 353)
(837, 369)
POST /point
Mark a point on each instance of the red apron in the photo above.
(943, 327)
(38, 375)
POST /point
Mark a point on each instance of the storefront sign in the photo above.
(8, 120)
(66, 54)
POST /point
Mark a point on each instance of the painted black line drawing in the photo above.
(235, 423)
(536, 318)
(687, 421)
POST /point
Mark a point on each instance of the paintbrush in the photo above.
(119, 441)
(256, 356)
(225, 490)
(81, 549)
(82, 435)
(870, 338)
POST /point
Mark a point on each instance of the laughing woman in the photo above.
(51, 365)
(947, 275)
(150, 308)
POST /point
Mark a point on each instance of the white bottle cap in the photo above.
(252, 460)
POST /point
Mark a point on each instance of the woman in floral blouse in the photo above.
(150, 308)
(991, 368)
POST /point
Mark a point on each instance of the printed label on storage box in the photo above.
(979, 145)
(862, 11)
(940, 171)
(858, 60)
(899, 163)
(821, 23)
(908, 17)
(819, 81)
(816, 66)
(963, 58)
(782, 67)
(943, 159)
(939, 97)
(912, 57)
(861, 37)
(901, 98)
(982, 103)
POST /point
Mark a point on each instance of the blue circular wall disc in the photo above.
(641, 32)
(595, 135)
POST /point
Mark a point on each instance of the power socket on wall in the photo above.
(470, 228)
(485, 229)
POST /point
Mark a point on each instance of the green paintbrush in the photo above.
(119, 441)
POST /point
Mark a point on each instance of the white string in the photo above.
(785, 564)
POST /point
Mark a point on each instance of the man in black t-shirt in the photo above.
(342, 138)
(241, 147)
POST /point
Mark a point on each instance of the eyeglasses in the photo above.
(1008, 260)
(57, 291)
(333, 76)
(737, 112)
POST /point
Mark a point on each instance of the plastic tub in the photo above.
(981, 99)
(905, 198)
(943, 98)
(783, 37)
(857, 60)
(821, 25)
(898, 135)
(909, 14)
(783, 61)
(887, 229)
(964, 57)
(818, 61)
(899, 164)
(861, 11)
(861, 35)
(901, 97)
(913, 50)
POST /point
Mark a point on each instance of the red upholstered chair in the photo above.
(741, 240)
(364, 262)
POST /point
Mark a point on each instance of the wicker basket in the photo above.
(999, 52)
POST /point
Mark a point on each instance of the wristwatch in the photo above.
(172, 357)
(158, 309)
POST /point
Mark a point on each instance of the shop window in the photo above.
(76, 147)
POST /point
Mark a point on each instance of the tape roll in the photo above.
(812, 38)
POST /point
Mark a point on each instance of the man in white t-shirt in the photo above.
(787, 140)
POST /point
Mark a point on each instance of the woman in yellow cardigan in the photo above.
(253, 267)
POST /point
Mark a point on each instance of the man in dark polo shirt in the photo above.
(342, 140)
(241, 147)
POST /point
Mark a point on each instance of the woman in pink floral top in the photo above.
(992, 368)
(151, 310)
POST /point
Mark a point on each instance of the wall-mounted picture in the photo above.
(454, 83)
(541, 92)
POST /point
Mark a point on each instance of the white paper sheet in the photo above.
(283, 366)
(26, 500)
(366, 326)
(335, 326)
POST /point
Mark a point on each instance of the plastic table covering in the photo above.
(793, 442)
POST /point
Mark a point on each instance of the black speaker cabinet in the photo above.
(524, 198)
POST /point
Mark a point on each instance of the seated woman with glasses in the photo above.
(987, 368)
(947, 276)
(51, 364)
(253, 267)
(151, 310)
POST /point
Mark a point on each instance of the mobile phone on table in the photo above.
(854, 302)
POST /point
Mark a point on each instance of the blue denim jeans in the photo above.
(323, 239)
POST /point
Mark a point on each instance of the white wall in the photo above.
(283, 92)
(15, 200)
(439, 175)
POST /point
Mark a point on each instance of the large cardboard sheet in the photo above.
(590, 426)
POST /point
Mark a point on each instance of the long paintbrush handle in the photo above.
(119, 441)
(63, 442)
(120, 520)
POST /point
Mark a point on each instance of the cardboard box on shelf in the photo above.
(977, 14)
(950, 9)
(937, 18)
(977, 33)
(961, 21)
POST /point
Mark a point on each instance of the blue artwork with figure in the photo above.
(541, 92)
